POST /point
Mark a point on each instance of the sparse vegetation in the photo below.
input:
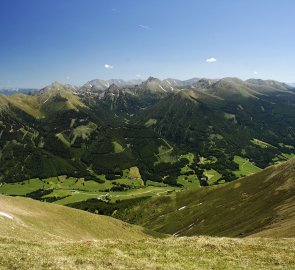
(175, 254)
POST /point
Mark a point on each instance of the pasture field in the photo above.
(245, 167)
(67, 190)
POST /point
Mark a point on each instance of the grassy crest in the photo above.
(36, 235)
(38, 221)
(176, 254)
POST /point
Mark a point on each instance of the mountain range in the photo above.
(178, 166)
(10, 91)
(87, 131)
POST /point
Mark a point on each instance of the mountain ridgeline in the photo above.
(170, 131)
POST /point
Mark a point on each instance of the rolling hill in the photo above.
(27, 219)
(261, 205)
(37, 235)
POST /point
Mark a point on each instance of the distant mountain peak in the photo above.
(54, 85)
(232, 80)
(98, 85)
(56, 88)
(271, 84)
(203, 83)
(113, 88)
(152, 79)
(154, 85)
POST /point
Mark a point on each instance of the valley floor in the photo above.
(170, 253)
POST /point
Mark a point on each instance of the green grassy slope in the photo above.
(261, 204)
(173, 254)
(37, 235)
(26, 219)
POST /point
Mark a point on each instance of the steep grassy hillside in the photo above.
(262, 204)
(37, 235)
(26, 219)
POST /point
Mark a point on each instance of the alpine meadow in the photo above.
(147, 135)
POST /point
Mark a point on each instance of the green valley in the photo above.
(69, 145)
(157, 171)
(147, 135)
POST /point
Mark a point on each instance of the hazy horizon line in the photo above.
(16, 88)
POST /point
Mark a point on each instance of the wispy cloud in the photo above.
(255, 72)
(138, 75)
(145, 27)
(211, 60)
(108, 66)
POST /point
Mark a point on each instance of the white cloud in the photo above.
(138, 75)
(145, 27)
(211, 60)
(108, 66)
(68, 77)
(255, 72)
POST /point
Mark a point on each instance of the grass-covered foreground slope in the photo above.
(38, 235)
(262, 204)
(172, 253)
(26, 219)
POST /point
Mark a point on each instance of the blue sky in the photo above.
(72, 41)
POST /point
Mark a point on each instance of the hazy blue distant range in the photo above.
(11, 91)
